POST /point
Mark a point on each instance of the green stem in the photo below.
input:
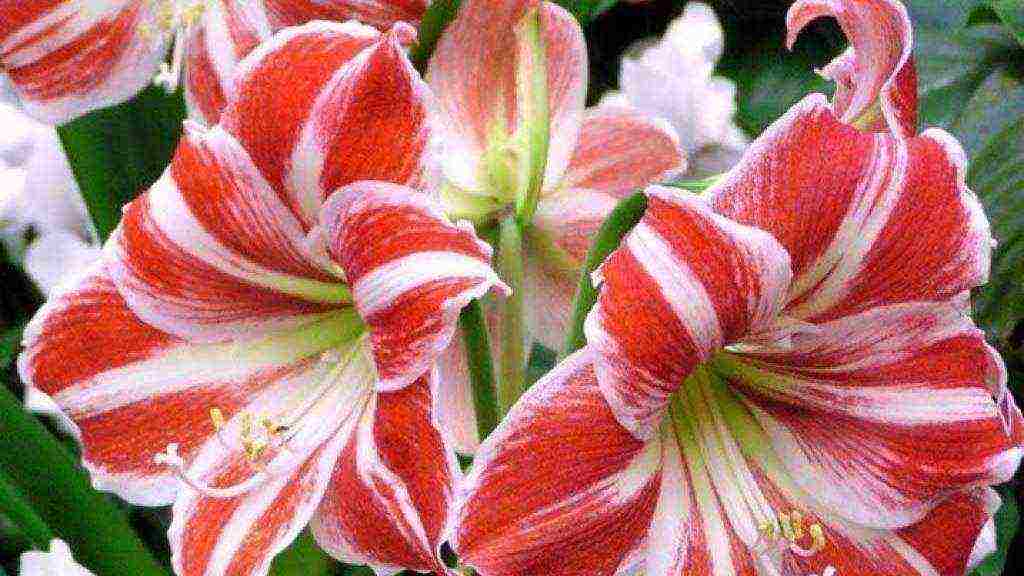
(696, 185)
(435, 20)
(59, 491)
(512, 383)
(476, 340)
(18, 512)
(622, 219)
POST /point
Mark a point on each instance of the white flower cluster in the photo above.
(39, 198)
(673, 79)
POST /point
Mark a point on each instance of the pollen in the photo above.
(793, 532)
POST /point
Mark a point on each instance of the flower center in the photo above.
(173, 18)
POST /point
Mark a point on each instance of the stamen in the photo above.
(175, 17)
(788, 533)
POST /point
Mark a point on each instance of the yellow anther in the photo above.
(818, 540)
(218, 418)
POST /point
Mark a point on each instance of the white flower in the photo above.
(673, 79)
(56, 562)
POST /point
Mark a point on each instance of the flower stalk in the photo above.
(512, 382)
(481, 367)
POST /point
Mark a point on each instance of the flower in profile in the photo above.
(258, 345)
(510, 79)
(67, 58)
(57, 562)
(673, 78)
(780, 377)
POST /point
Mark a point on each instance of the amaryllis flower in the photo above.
(58, 561)
(66, 58)
(510, 78)
(258, 345)
(780, 377)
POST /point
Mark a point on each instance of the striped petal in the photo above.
(66, 58)
(883, 414)
(380, 13)
(216, 534)
(130, 389)
(876, 80)
(354, 110)
(229, 30)
(389, 500)
(211, 253)
(621, 151)
(560, 488)
(411, 272)
(697, 281)
(867, 219)
(474, 74)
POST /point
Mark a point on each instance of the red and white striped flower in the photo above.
(510, 78)
(780, 377)
(66, 58)
(265, 323)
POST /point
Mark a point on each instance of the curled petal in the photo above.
(473, 72)
(389, 500)
(697, 281)
(379, 13)
(621, 151)
(67, 58)
(868, 220)
(560, 488)
(877, 73)
(411, 272)
(211, 253)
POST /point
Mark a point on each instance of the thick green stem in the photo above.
(18, 512)
(512, 383)
(477, 343)
(60, 494)
(625, 216)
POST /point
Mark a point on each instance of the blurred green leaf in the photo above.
(586, 10)
(1011, 12)
(1007, 523)
(997, 175)
(19, 512)
(60, 493)
(118, 152)
(304, 558)
(435, 20)
(10, 339)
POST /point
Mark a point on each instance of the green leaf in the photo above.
(997, 176)
(304, 558)
(118, 152)
(1007, 523)
(586, 10)
(435, 20)
(10, 339)
(17, 511)
(59, 492)
(1011, 12)
(622, 219)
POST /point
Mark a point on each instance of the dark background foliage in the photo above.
(971, 63)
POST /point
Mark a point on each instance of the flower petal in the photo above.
(229, 30)
(884, 414)
(269, 121)
(867, 219)
(621, 151)
(68, 58)
(877, 69)
(380, 13)
(213, 535)
(389, 500)
(473, 73)
(697, 280)
(131, 389)
(210, 252)
(411, 272)
(560, 488)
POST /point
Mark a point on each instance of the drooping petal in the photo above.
(560, 488)
(66, 58)
(877, 73)
(867, 219)
(390, 496)
(885, 413)
(473, 72)
(214, 535)
(411, 272)
(621, 151)
(685, 282)
(130, 389)
(380, 13)
(211, 253)
(229, 30)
